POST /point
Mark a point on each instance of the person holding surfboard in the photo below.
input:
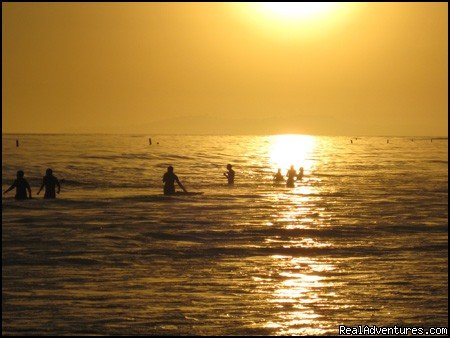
(169, 180)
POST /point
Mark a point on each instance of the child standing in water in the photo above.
(229, 175)
(50, 182)
(300, 174)
(21, 186)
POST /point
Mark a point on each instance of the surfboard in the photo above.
(177, 193)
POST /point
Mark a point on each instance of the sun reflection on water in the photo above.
(301, 207)
(300, 287)
(301, 290)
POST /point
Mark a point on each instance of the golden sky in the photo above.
(352, 69)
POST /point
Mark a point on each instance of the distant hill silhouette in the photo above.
(307, 123)
(206, 124)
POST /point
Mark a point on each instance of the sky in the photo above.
(225, 68)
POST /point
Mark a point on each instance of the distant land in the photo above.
(217, 125)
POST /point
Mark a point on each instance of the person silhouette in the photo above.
(230, 174)
(291, 175)
(300, 174)
(169, 179)
(278, 176)
(21, 185)
(50, 182)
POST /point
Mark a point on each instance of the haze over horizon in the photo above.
(224, 68)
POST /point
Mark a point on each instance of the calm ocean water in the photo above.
(362, 239)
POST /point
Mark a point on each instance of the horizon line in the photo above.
(207, 134)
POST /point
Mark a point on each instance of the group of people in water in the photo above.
(50, 182)
(22, 186)
(169, 179)
(291, 176)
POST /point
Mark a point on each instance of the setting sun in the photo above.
(293, 20)
(297, 10)
(287, 150)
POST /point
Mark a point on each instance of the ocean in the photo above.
(362, 239)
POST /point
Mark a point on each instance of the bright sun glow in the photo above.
(297, 10)
(287, 150)
(290, 21)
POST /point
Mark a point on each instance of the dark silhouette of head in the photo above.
(292, 166)
(20, 174)
(170, 169)
(229, 166)
(48, 172)
(279, 170)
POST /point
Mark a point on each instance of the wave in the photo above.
(119, 156)
(39, 203)
(438, 161)
(150, 198)
(253, 251)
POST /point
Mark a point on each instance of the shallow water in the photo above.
(361, 239)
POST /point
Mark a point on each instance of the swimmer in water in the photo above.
(278, 176)
(300, 174)
(229, 175)
(50, 182)
(169, 180)
(21, 185)
(291, 175)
